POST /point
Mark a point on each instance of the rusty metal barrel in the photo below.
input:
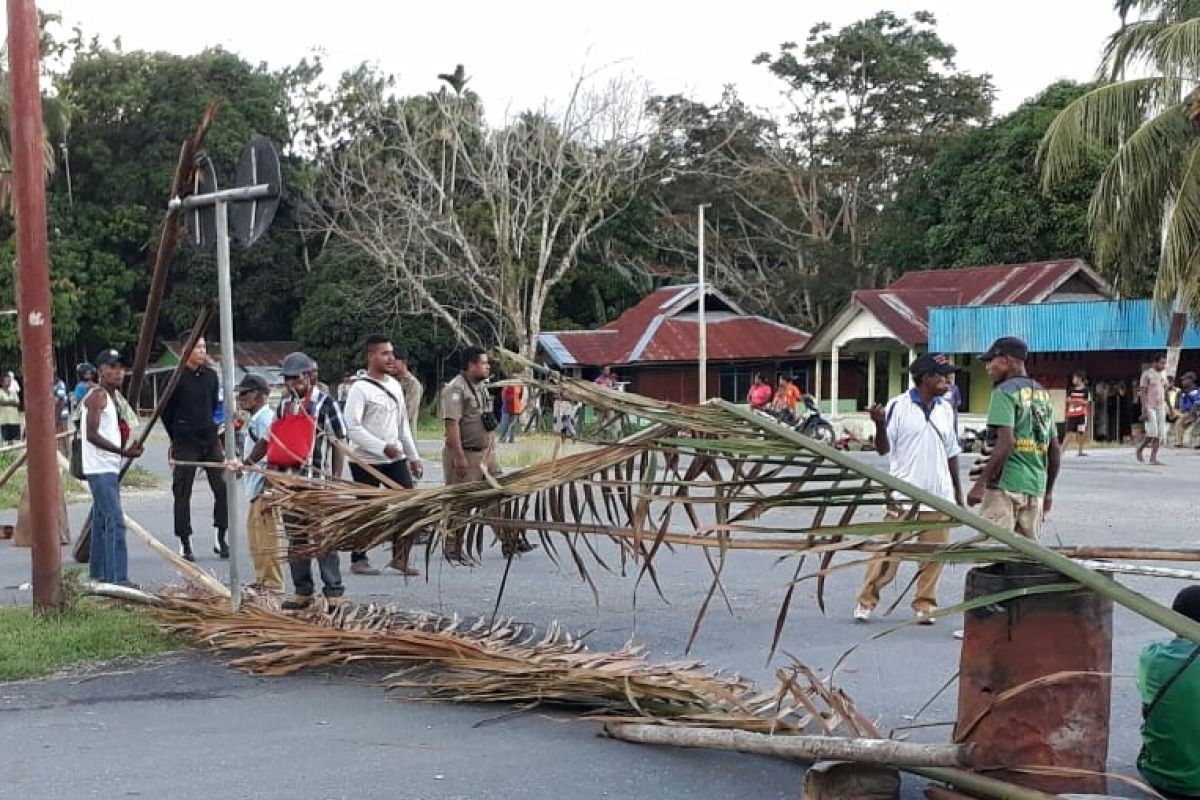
(1058, 718)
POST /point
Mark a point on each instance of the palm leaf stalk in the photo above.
(447, 659)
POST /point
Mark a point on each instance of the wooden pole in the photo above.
(27, 146)
(884, 752)
(168, 241)
(978, 785)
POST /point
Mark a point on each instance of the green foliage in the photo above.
(32, 645)
(978, 202)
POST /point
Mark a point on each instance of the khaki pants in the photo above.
(266, 544)
(477, 461)
(882, 570)
(1018, 512)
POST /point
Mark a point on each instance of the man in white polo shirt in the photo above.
(919, 433)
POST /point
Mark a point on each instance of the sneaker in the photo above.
(128, 584)
(363, 568)
(925, 617)
(959, 634)
(395, 568)
(862, 613)
(334, 603)
(517, 547)
(297, 602)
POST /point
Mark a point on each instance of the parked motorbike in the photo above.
(810, 423)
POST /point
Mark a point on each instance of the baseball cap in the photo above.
(111, 356)
(295, 364)
(252, 383)
(932, 362)
(1007, 346)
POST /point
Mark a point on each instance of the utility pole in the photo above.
(703, 323)
(33, 299)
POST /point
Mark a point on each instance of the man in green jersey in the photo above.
(1015, 483)
(1168, 680)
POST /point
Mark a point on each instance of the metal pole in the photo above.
(33, 299)
(703, 323)
(225, 299)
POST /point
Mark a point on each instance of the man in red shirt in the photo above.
(1079, 405)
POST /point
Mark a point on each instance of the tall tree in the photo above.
(481, 249)
(979, 202)
(871, 104)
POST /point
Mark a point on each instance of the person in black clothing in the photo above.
(188, 418)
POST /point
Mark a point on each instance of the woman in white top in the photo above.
(105, 436)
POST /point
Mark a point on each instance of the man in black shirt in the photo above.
(188, 418)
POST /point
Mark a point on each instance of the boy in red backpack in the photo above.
(305, 401)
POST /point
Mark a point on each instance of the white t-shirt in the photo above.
(921, 444)
(95, 460)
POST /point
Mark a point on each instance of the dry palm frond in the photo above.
(694, 474)
(449, 659)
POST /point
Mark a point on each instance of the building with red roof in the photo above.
(872, 339)
(654, 346)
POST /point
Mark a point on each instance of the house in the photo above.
(1111, 342)
(654, 346)
(874, 337)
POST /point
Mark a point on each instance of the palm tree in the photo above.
(55, 122)
(1147, 200)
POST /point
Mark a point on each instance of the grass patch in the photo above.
(32, 645)
(10, 493)
(524, 452)
(141, 478)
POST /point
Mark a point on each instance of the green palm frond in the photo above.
(1181, 237)
(1102, 117)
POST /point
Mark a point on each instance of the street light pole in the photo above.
(33, 300)
(702, 327)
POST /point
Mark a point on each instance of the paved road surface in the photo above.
(188, 727)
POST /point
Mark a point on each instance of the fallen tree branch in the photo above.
(884, 752)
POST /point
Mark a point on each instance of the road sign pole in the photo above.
(225, 301)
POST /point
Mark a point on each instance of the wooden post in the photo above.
(845, 780)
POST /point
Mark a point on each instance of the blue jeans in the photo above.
(109, 559)
(509, 423)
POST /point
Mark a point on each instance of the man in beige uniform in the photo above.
(470, 446)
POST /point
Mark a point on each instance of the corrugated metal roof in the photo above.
(1054, 327)
(656, 329)
(904, 306)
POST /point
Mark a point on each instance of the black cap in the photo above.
(400, 353)
(1187, 602)
(932, 362)
(252, 383)
(1007, 346)
(111, 357)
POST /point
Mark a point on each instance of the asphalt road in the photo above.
(189, 727)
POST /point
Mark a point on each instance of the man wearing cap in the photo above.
(381, 437)
(106, 441)
(918, 433)
(303, 397)
(261, 524)
(1015, 482)
(189, 419)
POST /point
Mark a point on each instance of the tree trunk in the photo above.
(805, 748)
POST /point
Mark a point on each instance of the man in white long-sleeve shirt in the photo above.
(381, 435)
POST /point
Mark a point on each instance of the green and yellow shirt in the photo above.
(1170, 757)
(1023, 405)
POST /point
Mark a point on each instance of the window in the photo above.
(735, 381)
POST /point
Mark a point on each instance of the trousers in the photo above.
(109, 560)
(397, 472)
(882, 570)
(266, 544)
(184, 477)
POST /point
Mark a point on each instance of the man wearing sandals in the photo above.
(381, 437)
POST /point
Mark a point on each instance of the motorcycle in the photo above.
(815, 426)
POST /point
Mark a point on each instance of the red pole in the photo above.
(33, 299)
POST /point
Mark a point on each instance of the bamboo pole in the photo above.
(882, 752)
(978, 785)
(12, 469)
(1138, 603)
(189, 570)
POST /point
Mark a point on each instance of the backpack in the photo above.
(292, 438)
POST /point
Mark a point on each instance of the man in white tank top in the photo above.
(106, 441)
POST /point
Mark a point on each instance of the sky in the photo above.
(525, 53)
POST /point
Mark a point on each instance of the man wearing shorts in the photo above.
(1152, 389)
(1079, 404)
